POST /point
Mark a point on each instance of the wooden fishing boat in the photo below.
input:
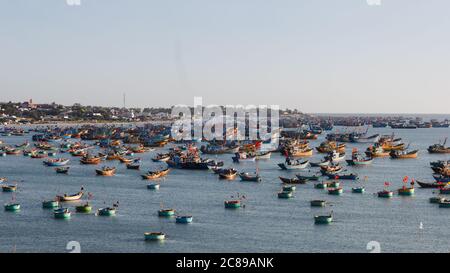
(12, 207)
(350, 176)
(106, 171)
(250, 177)
(335, 157)
(389, 146)
(376, 151)
(155, 174)
(68, 198)
(330, 146)
(228, 174)
(285, 194)
(403, 154)
(331, 170)
(385, 194)
(405, 191)
(439, 148)
(323, 219)
(289, 188)
(50, 204)
(436, 199)
(64, 170)
(361, 139)
(318, 203)
(12, 151)
(90, 160)
(38, 155)
(184, 219)
(62, 213)
(154, 236)
(85, 208)
(324, 162)
(358, 160)
(294, 180)
(335, 191)
(133, 166)
(108, 211)
(232, 204)
(161, 158)
(306, 152)
(358, 190)
(293, 164)
(9, 188)
(113, 156)
(166, 212)
(153, 186)
(56, 162)
(431, 185)
(126, 160)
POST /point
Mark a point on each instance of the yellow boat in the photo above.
(389, 146)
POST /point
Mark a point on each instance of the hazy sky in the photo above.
(313, 55)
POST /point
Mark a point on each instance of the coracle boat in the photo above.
(155, 174)
(323, 219)
(184, 219)
(358, 190)
(50, 204)
(108, 211)
(335, 191)
(432, 185)
(85, 208)
(294, 180)
(285, 194)
(56, 162)
(68, 198)
(289, 188)
(232, 204)
(106, 171)
(166, 212)
(249, 177)
(318, 203)
(228, 174)
(154, 236)
(293, 164)
(62, 170)
(12, 207)
(385, 194)
(62, 213)
(153, 186)
(403, 154)
(405, 191)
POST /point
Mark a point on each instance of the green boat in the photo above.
(62, 213)
(232, 204)
(333, 184)
(9, 188)
(166, 212)
(336, 191)
(318, 203)
(321, 185)
(153, 186)
(436, 199)
(50, 204)
(323, 219)
(86, 208)
(12, 207)
(406, 191)
(289, 188)
(154, 236)
(285, 195)
(107, 212)
(358, 190)
(385, 194)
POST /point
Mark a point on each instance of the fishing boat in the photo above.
(62, 170)
(361, 139)
(153, 186)
(62, 213)
(331, 170)
(318, 203)
(403, 154)
(154, 236)
(106, 171)
(108, 211)
(323, 219)
(166, 212)
(376, 151)
(243, 157)
(249, 177)
(3, 179)
(330, 146)
(126, 160)
(290, 164)
(304, 152)
(68, 198)
(12, 207)
(155, 174)
(84, 208)
(161, 158)
(228, 174)
(9, 188)
(358, 159)
(263, 155)
(285, 194)
(433, 185)
(350, 176)
(358, 190)
(56, 162)
(335, 157)
(50, 204)
(436, 199)
(439, 148)
(219, 149)
(406, 191)
(441, 178)
(294, 180)
(335, 191)
(232, 204)
(324, 162)
(90, 160)
(133, 166)
(444, 203)
(385, 194)
(390, 146)
(38, 155)
(289, 188)
(184, 219)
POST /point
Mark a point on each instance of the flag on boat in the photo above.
(405, 179)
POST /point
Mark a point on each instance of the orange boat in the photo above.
(90, 160)
(155, 174)
(106, 171)
(404, 154)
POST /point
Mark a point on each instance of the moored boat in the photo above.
(153, 186)
(293, 164)
(62, 170)
(166, 212)
(250, 177)
(108, 211)
(154, 236)
(184, 219)
(285, 194)
(335, 191)
(12, 207)
(106, 171)
(404, 154)
(232, 204)
(155, 174)
(318, 203)
(62, 213)
(323, 219)
(50, 204)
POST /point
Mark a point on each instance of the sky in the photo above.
(332, 56)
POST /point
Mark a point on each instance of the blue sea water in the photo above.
(266, 224)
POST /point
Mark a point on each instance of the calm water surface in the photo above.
(267, 224)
